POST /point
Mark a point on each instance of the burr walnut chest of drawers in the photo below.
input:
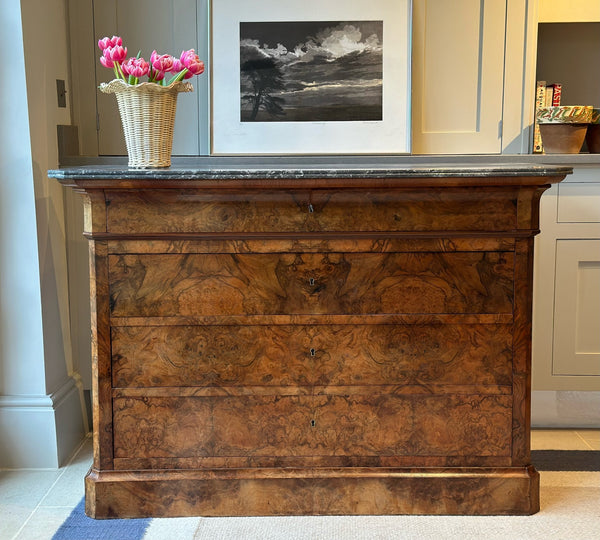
(311, 340)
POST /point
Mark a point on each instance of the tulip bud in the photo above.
(106, 62)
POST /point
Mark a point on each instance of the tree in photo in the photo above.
(261, 78)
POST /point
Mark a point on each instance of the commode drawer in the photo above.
(319, 425)
(298, 211)
(310, 283)
(308, 356)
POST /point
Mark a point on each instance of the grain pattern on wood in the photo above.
(313, 426)
(456, 209)
(340, 244)
(522, 351)
(306, 283)
(158, 356)
(101, 356)
(318, 319)
(306, 462)
(490, 491)
(331, 390)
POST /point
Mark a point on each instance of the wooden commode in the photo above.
(311, 339)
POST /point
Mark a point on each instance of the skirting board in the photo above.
(565, 409)
(41, 431)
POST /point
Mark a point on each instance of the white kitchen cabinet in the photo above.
(566, 309)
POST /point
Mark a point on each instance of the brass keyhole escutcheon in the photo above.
(313, 423)
(311, 281)
(311, 209)
(313, 352)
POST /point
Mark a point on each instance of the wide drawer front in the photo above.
(277, 211)
(317, 355)
(383, 425)
(310, 283)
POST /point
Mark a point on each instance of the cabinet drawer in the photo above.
(270, 426)
(319, 355)
(579, 203)
(310, 283)
(276, 211)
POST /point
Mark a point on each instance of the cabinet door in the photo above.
(168, 26)
(458, 70)
(577, 308)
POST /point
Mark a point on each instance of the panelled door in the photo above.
(457, 76)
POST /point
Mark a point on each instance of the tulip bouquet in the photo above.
(130, 70)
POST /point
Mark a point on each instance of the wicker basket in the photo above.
(148, 116)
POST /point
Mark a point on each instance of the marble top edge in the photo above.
(318, 171)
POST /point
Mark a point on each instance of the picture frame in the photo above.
(315, 77)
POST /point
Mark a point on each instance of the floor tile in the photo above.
(549, 439)
(43, 523)
(69, 488)
(570, 479)
(20, 493)
(590, 437)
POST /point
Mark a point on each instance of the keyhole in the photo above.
(312, 423)
(310, 208)
(313, 352)
(311, 281)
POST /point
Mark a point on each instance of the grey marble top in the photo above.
(310, 167)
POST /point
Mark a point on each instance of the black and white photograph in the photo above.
(310, 78)
(307, 71)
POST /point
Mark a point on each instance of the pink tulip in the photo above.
(192, 62)
(116, 53)
(106, 42)
(107, 63)
(136, 67)
(177, 66)
(161, 62)
(130, 70)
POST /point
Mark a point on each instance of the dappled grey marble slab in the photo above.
(312, 167)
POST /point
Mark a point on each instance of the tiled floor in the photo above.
(33, 503)
(565, 439)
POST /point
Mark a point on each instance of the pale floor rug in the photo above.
(570, 510)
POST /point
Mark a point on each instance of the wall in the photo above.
(41, 419)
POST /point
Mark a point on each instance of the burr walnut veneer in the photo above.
(311, 341)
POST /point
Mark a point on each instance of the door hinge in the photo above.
(500, 129)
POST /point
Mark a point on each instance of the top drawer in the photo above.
(348, 210)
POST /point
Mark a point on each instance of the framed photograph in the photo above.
(311, 77)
